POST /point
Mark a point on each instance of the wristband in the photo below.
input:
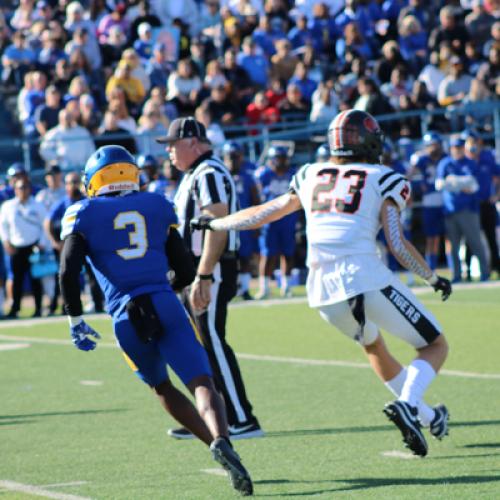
(433, 279)
(75, 320)
(205, 277)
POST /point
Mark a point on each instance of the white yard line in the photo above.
(37, 491)
(264, 357)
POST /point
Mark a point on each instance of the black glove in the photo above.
(442, 285)
(202, 223)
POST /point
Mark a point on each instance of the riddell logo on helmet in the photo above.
(370, 124)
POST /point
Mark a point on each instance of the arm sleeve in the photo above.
(180, 260)
(393, 186)
(72, 261)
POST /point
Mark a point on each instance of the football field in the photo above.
(77, 425)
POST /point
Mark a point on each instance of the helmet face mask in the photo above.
(355, 134)
(110, 169)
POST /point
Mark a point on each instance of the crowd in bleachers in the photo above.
(95, 72)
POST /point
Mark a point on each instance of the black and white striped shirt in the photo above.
(207, 182)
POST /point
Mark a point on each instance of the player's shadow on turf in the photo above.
(482, 445)
(30, 418)
(474, 423)
(338, 430)
(368, 483)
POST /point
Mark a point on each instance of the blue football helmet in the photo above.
(16, 169)
(144, 161)
(232, 147)
(109, 170)
(277, 152)
(432, 138)
(322, 153)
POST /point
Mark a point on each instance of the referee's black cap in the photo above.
(184, 128)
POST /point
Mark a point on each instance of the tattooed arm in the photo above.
(256, 216)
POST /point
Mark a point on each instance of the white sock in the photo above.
(264, 284)
(245, 282)
(395, 385)
(284, 282)
(420, 375)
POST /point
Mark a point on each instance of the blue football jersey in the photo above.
(273, 185)
(244, 183)
(125, 238)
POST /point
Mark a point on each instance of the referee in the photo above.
(207, 187)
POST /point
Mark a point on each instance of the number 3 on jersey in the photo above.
(138, 238)
(357, 182)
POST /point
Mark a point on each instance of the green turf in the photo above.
(326, 434)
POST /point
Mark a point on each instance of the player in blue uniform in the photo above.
(129, 239)
(322, 153)
(277, 238)
(487, 175)
(424, 165)
(248, 195)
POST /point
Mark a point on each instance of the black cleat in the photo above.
(223, 453)
(439, 424)
(405, 417)
(181, 433)
(246, 430)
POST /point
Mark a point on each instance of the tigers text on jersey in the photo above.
(342, 205)
(126, 237)
(208, 182)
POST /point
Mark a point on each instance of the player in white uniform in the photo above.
(345, 201)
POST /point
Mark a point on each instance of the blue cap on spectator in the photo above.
(470, 133)
(432, 138)
(15, 169)
(277, 151)
(457, 142)
(232, 147)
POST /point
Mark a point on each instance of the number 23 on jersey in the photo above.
(327, 195)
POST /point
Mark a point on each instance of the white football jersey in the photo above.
(342, 205)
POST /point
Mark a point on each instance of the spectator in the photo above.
(49, 52)
(62, 76)
(151, 127)
(420, 10)
(391, 57)
(495, 38)
(183, 87)
(214, 76)
(455, 178)
(77, 88)
(17, 59)
(82, 40)
(261, 111)
(256, 65)
(413, 42)
(34, 97)
(144, 44)
(144, 15)
(46, 115)
(479, 22)
(293, 107)
(371, 99)
(241, 85)
(90, 116)
(324, 104)
(324, 29)
(489, 71)
(301, 35)
(354, 41)
(398, 86)
(118, 105)
(264, 37)
(67, 143)
(158, 68)
(132, 87)
(301, 79)
(283, 63)
(456, 85)
(220, 105)
(21, 231)
(275, 92)
(114, 18)
(23, 16)
(110, 133)
(432, 75)
(215, 134)
(210, 18)
(112, 49)
(131, 57)
(448, 31)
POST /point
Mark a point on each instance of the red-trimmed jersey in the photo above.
(342, 205)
